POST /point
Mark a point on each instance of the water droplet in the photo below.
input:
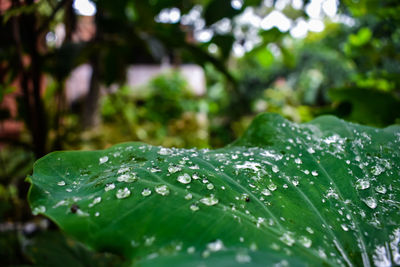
(61, 183)
(347, 161)
(127, 177)
(371, 202)
(188, 196)
(217, 245)
(314, 173)
(184, 179)
(275, 169)
(155, 170)
(39, 209)
(81, 213)
(266, 192)
(149, 241)
(305, 241)
(362, 184)
(242, 257)
(287, 238)
(123, 193)
(103, 159)
(380, 189)
(298, 161)
(272, 187)
(194, 207)
(194, 167)
(146, 192)
(310, 230)
(95, 201)
(310, 150)
(164, 151)
(173, 169)
(109, 187)
(255, 166)
(210, 186)
(209, 201)
(162, 190)
(344, 227)
(97, 214)
(376, 170)
(191, 250)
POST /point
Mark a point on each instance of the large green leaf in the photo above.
(320, 193)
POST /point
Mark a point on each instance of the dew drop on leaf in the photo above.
(191, 250)
(209, 201)
(39, 209)
(362, 184)
(61, 183)
(95, 201)
(275, 169)
(210, 186)
(194, 207)
(162, 190)
(109, 187)
(266, 192)
(310, 230)
(242, 257)
(376, 170)
(380, 189)
(164, 151)
(288, 239)
(272, 187)
(305, 241)
(123, 193)
(310, 150)
(371, 202)
(217, 245)
(103, 159)
(146, 192)
(173, 169)
(127, 177)
(184, 179)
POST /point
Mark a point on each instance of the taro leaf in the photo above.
(320, 193)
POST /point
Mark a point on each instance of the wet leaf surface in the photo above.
(320, 193)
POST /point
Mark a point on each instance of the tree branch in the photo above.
(46, 23)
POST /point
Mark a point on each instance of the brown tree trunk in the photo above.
(91, 114)
(30, 81)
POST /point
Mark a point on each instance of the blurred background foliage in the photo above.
(297, 58)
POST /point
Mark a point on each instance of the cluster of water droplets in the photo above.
(252, 185)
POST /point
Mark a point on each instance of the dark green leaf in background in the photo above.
(320, 193)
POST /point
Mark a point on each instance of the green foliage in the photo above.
(321, 193)
(164, 112)
(367, 105)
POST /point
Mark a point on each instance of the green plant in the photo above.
(324, 193)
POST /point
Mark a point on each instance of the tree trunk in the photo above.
(30, 81)
(91, 115)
